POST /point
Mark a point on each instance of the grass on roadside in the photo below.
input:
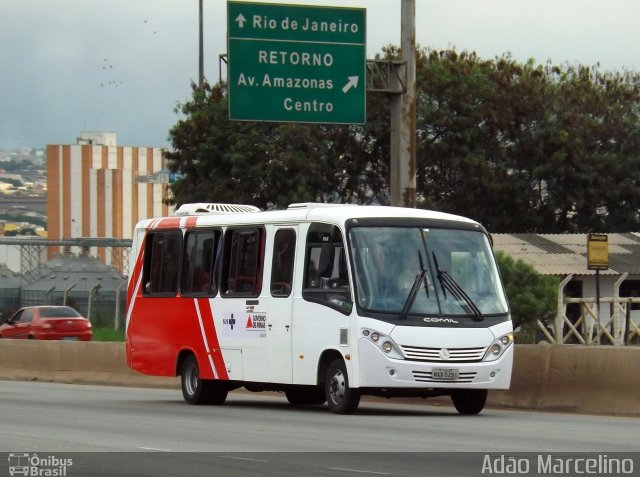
(107, 334)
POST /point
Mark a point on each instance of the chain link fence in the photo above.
(103, 309)
(77, 277)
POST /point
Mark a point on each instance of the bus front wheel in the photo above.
(469, 401)
(200, 391)
(341, 398)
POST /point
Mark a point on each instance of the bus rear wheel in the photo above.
(341, 398)
(200, 391)
(469, 401)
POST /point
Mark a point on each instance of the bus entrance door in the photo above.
(281, 288)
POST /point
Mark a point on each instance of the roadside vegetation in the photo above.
(108, 334)
(532, 297)
(520, 147)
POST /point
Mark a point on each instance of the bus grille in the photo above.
(460, 355)
(426, 377)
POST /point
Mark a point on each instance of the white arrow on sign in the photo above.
(241, 19)
(353, 82)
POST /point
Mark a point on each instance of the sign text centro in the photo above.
(294, 63)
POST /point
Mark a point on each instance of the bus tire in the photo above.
(200, 391)
(341, 398)
(469, 401)
(305, 395)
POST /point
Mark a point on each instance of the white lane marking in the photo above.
(359, 471)
(155, 449)
(240, 458)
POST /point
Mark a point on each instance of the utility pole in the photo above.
(403, 116)
(201, 52)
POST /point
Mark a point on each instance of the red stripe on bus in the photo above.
(212, 338)
(170, 223)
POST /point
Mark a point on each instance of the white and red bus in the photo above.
(325, 303)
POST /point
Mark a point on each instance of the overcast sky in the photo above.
(122, 65)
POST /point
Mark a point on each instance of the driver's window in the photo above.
(284, 251)
(326, 279)
(16, 317)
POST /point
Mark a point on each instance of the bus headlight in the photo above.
(498, 347)
(383, 343)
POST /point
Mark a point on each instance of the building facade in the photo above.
(101, 191)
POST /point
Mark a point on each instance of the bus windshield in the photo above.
(427, 272)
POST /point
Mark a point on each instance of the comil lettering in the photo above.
(294, 58)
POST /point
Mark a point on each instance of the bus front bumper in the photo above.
(377, 370)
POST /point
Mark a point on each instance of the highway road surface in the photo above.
(133, 431)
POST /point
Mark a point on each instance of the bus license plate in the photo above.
(445, 374)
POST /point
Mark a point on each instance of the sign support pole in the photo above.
(403, 117)
(200, 48)
(597, 259)
(597, 306)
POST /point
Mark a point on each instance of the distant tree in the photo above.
(14, 165)
(526, 148)
(531, 296)
(265, 164)
(519, 147)
(591, 145)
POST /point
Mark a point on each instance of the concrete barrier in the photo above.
(582, 379)
(82, 362)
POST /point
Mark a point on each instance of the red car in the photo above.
(47, 323)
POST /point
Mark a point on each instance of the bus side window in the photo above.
(326, 278)
(162, 263)
(197, 266)
(243, 260)
(284, 250)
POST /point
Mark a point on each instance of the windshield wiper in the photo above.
(420, 277)
(447, 282)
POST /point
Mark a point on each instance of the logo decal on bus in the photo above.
(229, 321)
(439, 320)
(243, 324)
(257, 322)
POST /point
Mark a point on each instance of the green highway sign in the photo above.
(296, 63)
